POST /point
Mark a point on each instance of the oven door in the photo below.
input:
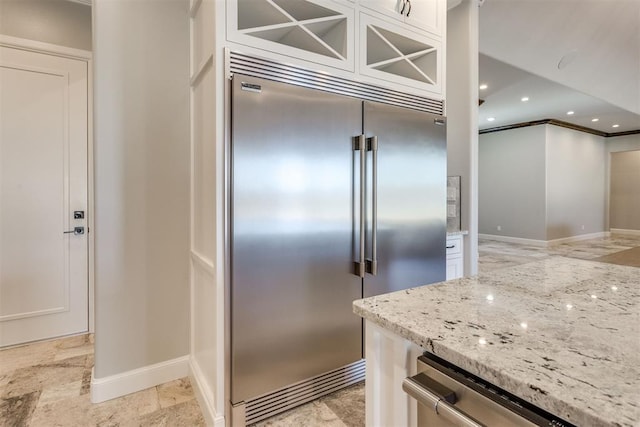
(449, 396)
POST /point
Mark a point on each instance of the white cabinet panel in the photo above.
(319, 31)
(427, 15)
(455, 259)
(396, 54)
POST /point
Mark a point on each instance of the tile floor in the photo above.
(47, 383)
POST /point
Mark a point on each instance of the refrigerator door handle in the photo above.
(359, 145)
(372, 264)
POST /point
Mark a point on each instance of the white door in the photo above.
(43, 180)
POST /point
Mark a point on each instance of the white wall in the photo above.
(462, 118)
(511, 190)
(623, 143)
(58, 22)
(141, 133)
(625, 190)
(576, 183)
(544, 182)
(614, 145)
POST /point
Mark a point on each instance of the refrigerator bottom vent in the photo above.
(305, 391)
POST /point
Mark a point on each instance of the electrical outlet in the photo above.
(499, 228)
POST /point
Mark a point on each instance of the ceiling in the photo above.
(564, 55)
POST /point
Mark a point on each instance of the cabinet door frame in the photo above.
(391, 8)
(410, 84)
(243, 37)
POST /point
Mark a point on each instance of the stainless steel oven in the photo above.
(449, 396)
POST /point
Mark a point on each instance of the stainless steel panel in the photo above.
(469, 409)
(411, 198)
(292, 198)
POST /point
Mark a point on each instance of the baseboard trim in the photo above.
(509, 239)
(626, 232)
(204, 395)
(578, 238)
(545, 243)
(113, 386)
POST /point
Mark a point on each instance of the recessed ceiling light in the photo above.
(524, 99)
(615, 126)
(595, 120)
(490, 119)
(483, 86)
(570, 113)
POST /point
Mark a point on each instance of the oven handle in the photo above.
(434, 395)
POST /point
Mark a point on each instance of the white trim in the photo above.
(625, 232)
(205, 264)
(194, 7)
(48, 48)
(90, 197)
(544, 243)
(578, 238)
(508, 239)
(84, 2)
(113, 386)
(204, 66)
(204, 396)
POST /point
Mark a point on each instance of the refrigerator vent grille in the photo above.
(305, 391)
(271, 70)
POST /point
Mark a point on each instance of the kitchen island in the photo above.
(561, 333)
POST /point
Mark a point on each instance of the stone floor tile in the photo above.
(348, 405)
(313, 414)
(187, 413)
(16, 411)
(40, 376)
(175, 392)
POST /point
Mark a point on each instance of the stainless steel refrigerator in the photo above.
(332, 198)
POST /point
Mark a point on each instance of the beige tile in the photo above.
(16, 411)
(60, 392)
(175, 392)
(183, 414)
(348, 405)
(79, 411)
(132, 405)
(64, 413)
(41, 376)
(68, 353)
(73, 342)
(27, 355)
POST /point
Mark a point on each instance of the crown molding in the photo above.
(560, 123)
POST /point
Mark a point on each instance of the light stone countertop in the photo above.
(562, 333)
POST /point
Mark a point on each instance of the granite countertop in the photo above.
(563, 334)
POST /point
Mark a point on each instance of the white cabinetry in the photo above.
(427, 15)
(402, 51)
(400, 55)
(455, 259)
(319, 31)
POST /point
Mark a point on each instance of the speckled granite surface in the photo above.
(561, 333)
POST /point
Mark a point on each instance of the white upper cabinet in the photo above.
(319, 31)
(393, 43)
(427, 15)
(396, 54)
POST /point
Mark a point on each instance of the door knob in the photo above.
(76, 231)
